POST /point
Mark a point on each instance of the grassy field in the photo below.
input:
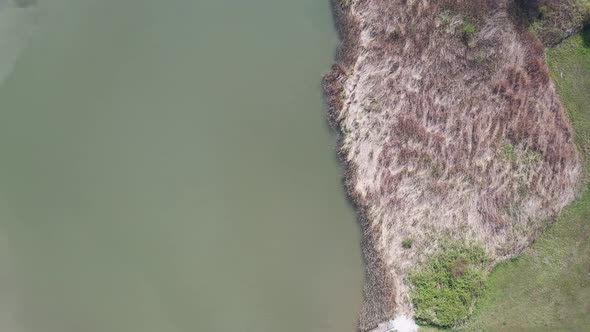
(547, 288)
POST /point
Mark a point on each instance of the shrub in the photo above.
(445, 288)
(550, 20)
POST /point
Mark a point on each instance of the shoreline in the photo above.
(377, 290)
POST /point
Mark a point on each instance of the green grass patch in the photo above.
(508, 152)
(469, 31)
(570, 68)
(547, 288)
(445, 288)
(407, 243)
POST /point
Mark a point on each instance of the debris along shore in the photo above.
(450, 130)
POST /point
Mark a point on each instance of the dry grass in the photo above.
(443, 136)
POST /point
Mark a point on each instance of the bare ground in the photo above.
(444, 135)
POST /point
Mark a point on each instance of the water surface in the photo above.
(166, 166)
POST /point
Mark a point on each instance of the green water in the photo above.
(166, 166)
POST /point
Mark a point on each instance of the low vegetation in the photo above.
(443, 139)
(547, 288)
(407, 243)
(469, 30)
(445, 288)
(507, 152)
(552, 20)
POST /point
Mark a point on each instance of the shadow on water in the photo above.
(25, 3)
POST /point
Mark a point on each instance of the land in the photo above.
(452, 132)
(552, 21)
(547, 288)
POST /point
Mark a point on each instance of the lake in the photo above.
(166, 166)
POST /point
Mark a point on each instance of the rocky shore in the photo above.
(450, 130)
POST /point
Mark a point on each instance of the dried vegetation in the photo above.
(451, 130)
